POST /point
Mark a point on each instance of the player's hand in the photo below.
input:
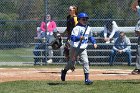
(82, 38)
(120, 51)
(95, 45)
(106, 39)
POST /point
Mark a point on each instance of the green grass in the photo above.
(121, 86)
(15, 55)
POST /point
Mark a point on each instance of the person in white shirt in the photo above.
(78, 44)
(110, 31)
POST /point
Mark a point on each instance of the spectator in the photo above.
(122, 45)
(37, 48)
(51, 26)
(136, 7)
(41, 32)
(110, 31)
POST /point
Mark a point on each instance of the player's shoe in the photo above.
(107, 42)
(49, 61)
(112, 41)
(135, 72)
(88, 82)
(63, 75)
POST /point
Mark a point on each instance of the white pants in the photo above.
(83, 58)
(138, 58)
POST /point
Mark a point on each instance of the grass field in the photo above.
(77, 66)
(129, 86)
(15, 55)
(106, 86)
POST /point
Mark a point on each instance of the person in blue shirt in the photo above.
(78, 44)
(122, 45)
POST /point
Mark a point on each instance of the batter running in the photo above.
(78, 44)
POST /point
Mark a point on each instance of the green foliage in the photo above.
(4, 16)
(13, 16)
(6, 27)
(99, 9)
(34, 10)
(7, 7)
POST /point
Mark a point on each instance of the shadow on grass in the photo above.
(131, 82)
(58, 83)
(65, 83)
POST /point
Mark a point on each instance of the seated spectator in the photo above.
(122, 45)
(110, 31)
(50, 26)
(40, 47)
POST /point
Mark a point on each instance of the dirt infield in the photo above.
(13, 74)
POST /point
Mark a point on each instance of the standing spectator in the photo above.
(79, 41)
(122, 45)
(71, 23)
(110, 31)
(136, 7)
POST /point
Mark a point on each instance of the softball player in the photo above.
(80, 36)
(137, 68)
(136, 7)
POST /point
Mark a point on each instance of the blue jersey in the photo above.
(77, 32)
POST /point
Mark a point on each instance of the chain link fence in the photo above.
(20, 18)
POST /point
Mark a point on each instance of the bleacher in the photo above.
(100, 56)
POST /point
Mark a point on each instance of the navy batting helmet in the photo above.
(82, 15)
